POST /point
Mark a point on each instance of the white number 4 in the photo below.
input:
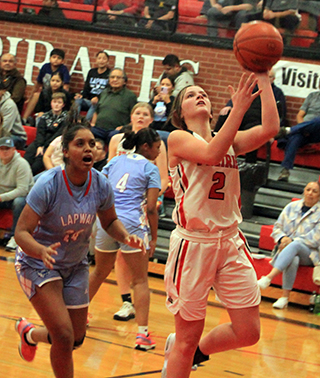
(122, 183)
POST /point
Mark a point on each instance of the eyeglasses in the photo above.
(115, 77)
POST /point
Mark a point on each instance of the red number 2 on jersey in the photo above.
(218, 183)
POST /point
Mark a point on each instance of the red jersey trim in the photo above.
(68, 186)
(185, 185)
(180, 269)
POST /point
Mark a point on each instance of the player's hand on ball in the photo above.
(46, 255)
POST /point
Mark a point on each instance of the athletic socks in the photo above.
(28, 337)
(143, 330)
(199, 357)
(126, 297)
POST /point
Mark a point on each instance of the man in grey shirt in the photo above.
(15, 183)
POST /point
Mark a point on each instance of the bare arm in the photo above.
(162, 164)
(94, 119)
(235, 8)
(255, 137)
(26, 225)
(269, 14)
(36, 88)
(168, 16)
(300, 116)
(152, 196)
(114, 227)
(113, 146)
(47, 157)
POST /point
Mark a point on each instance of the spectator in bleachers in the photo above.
(180, 74)
(12, 79)
(162, 103)
(44, 102)
(50, 9)
(225, 13)
(50, 126)
(297, 234)
(158, 14)
(282, 14)
(96, 82)
(128, 10)
(101, 155)
(252, 116)
(306, 131)
(114, 106)
(43, 80)
(12, 125)
(16, 181)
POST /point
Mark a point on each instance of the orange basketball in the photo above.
(258, 45)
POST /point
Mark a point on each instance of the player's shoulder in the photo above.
(50, 175)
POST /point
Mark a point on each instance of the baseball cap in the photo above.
(6, 142)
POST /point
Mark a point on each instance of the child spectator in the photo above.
(16, 181)
(44, 102)
(50, 126)
(101, 155)
(96, 82)
(11, 125)
(43, 79)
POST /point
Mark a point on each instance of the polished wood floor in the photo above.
(289, 345)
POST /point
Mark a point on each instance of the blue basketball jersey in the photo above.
(130, 176)
(67, 213)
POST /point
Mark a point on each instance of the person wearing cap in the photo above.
(12, 125)
(16, 182)
(13, 80)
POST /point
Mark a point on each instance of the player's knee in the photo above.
(251, 337)
(63, 338)
(77, 344)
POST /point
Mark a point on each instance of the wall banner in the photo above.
(297, 79)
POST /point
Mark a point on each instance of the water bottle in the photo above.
(317, 305)
(312, 301)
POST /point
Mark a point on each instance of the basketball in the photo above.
(258, 45)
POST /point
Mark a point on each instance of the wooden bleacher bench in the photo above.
(303, 285)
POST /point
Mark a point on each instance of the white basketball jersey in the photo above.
(207, 197)
(123, 151)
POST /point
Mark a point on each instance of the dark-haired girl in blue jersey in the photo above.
(53, 237)
(136, 183)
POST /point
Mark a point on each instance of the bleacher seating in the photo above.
(188, 22)
(303, 36)
(307, 156)
(77, 11)
(303, 281)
